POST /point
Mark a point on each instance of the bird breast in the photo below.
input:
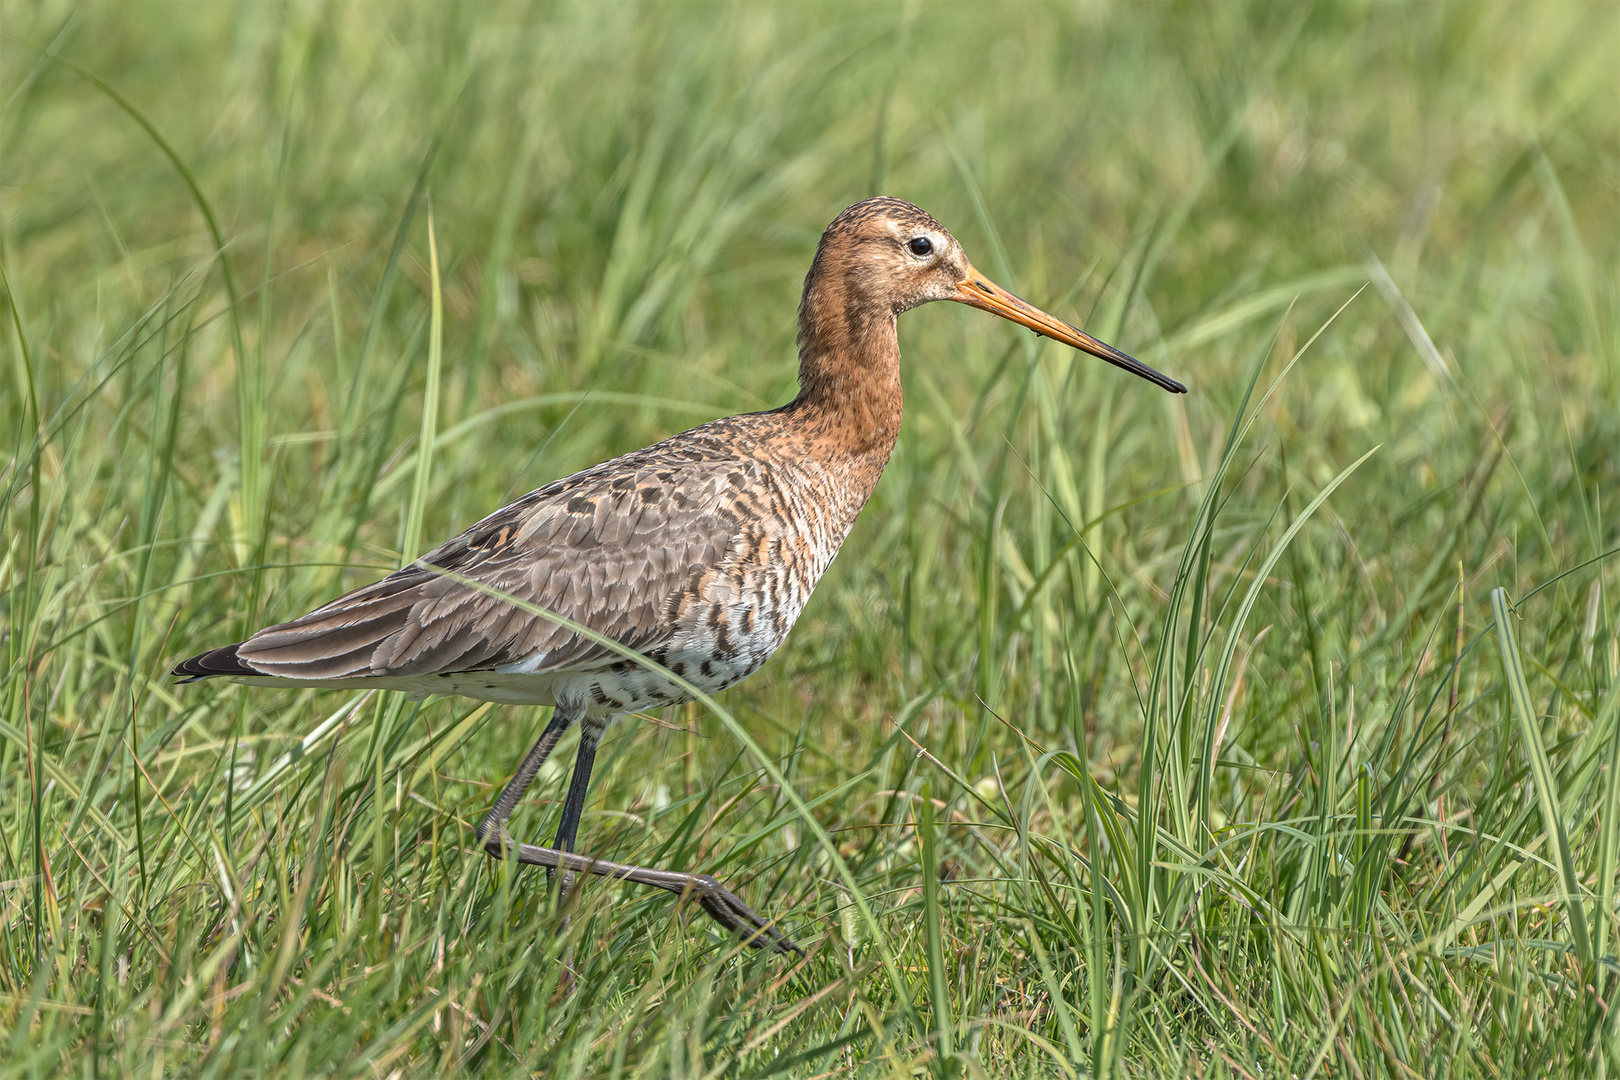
(789, 521)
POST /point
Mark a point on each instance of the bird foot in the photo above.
(727, 908)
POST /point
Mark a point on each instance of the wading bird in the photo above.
(698, 552)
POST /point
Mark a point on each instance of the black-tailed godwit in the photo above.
(698, 552)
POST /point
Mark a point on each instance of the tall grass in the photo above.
(1269, 731)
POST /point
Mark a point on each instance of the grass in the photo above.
(1270, 731)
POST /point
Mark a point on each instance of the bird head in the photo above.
(884, 254)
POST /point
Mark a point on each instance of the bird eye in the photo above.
(921, 246)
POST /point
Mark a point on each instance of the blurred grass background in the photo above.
(1139, 756)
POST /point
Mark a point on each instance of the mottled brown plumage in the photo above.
(698, 552)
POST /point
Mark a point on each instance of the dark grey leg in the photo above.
(590, 734)
(723, 905)
(490, 828)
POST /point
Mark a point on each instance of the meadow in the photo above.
(1269, 731)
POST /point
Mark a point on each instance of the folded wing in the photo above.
(614, 548)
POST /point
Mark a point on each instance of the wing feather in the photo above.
(612, 548)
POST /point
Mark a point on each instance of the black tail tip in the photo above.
(222, 661)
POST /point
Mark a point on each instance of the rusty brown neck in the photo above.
(849, 399)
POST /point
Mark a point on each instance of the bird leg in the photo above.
(723, 905)
(501, 812)
(590, 734)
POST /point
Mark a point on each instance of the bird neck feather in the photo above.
(849, 361)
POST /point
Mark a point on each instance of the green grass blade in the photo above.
(427, 434)
(1541, 773)
(933, 926)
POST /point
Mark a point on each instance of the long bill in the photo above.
(978, 291)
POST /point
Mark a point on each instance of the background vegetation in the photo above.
(1132, 735)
